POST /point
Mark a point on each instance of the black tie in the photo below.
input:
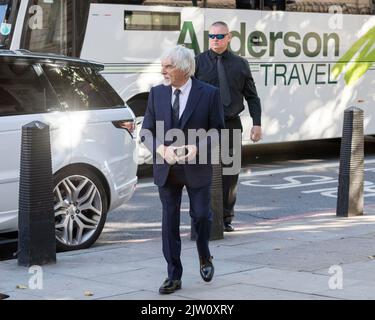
(176, 108)
(223, 83)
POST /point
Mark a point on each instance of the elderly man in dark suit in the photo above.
(185, 104)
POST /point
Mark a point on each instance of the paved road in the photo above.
(274, 183)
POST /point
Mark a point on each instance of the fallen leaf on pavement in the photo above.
(21, 286)
(88, 293)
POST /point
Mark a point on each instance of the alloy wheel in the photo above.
(78, 209)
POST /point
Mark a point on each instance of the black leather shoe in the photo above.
(170, 286)
(228, 227)
(206, 268)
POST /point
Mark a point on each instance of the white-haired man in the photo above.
(182, 103)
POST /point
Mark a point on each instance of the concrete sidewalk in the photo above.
(276, 259)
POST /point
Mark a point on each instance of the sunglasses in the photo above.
(217, 36)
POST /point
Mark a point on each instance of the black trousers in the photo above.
(230, 181)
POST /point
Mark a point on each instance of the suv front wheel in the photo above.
(80, 205)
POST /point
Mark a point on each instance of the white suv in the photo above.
(93, 142)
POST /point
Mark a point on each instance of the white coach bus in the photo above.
(310, 59)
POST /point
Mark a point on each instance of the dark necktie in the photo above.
(176, 108)
(223, 83)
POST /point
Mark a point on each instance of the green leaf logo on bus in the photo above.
(357, 60)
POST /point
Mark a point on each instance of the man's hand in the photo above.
(192, 152)
(190, 155)
(256, 133)
(167, 153)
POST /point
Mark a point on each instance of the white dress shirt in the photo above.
(184, 95)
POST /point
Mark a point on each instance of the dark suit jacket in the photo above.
(203, 111)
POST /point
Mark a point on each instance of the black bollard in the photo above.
(36, 221)
(217, 226)
(350, 188)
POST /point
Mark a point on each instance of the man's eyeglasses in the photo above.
(217, 36)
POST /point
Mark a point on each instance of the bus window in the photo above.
(169, 3)
(56, 26)
(8, 13)
(3, 9)
(247, 4)
(274, 5)
(174, 3)
(49, 27)
(150, 20)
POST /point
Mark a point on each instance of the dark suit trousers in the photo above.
(230, 181)
(200, 212)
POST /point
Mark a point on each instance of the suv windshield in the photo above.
(7, 19)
